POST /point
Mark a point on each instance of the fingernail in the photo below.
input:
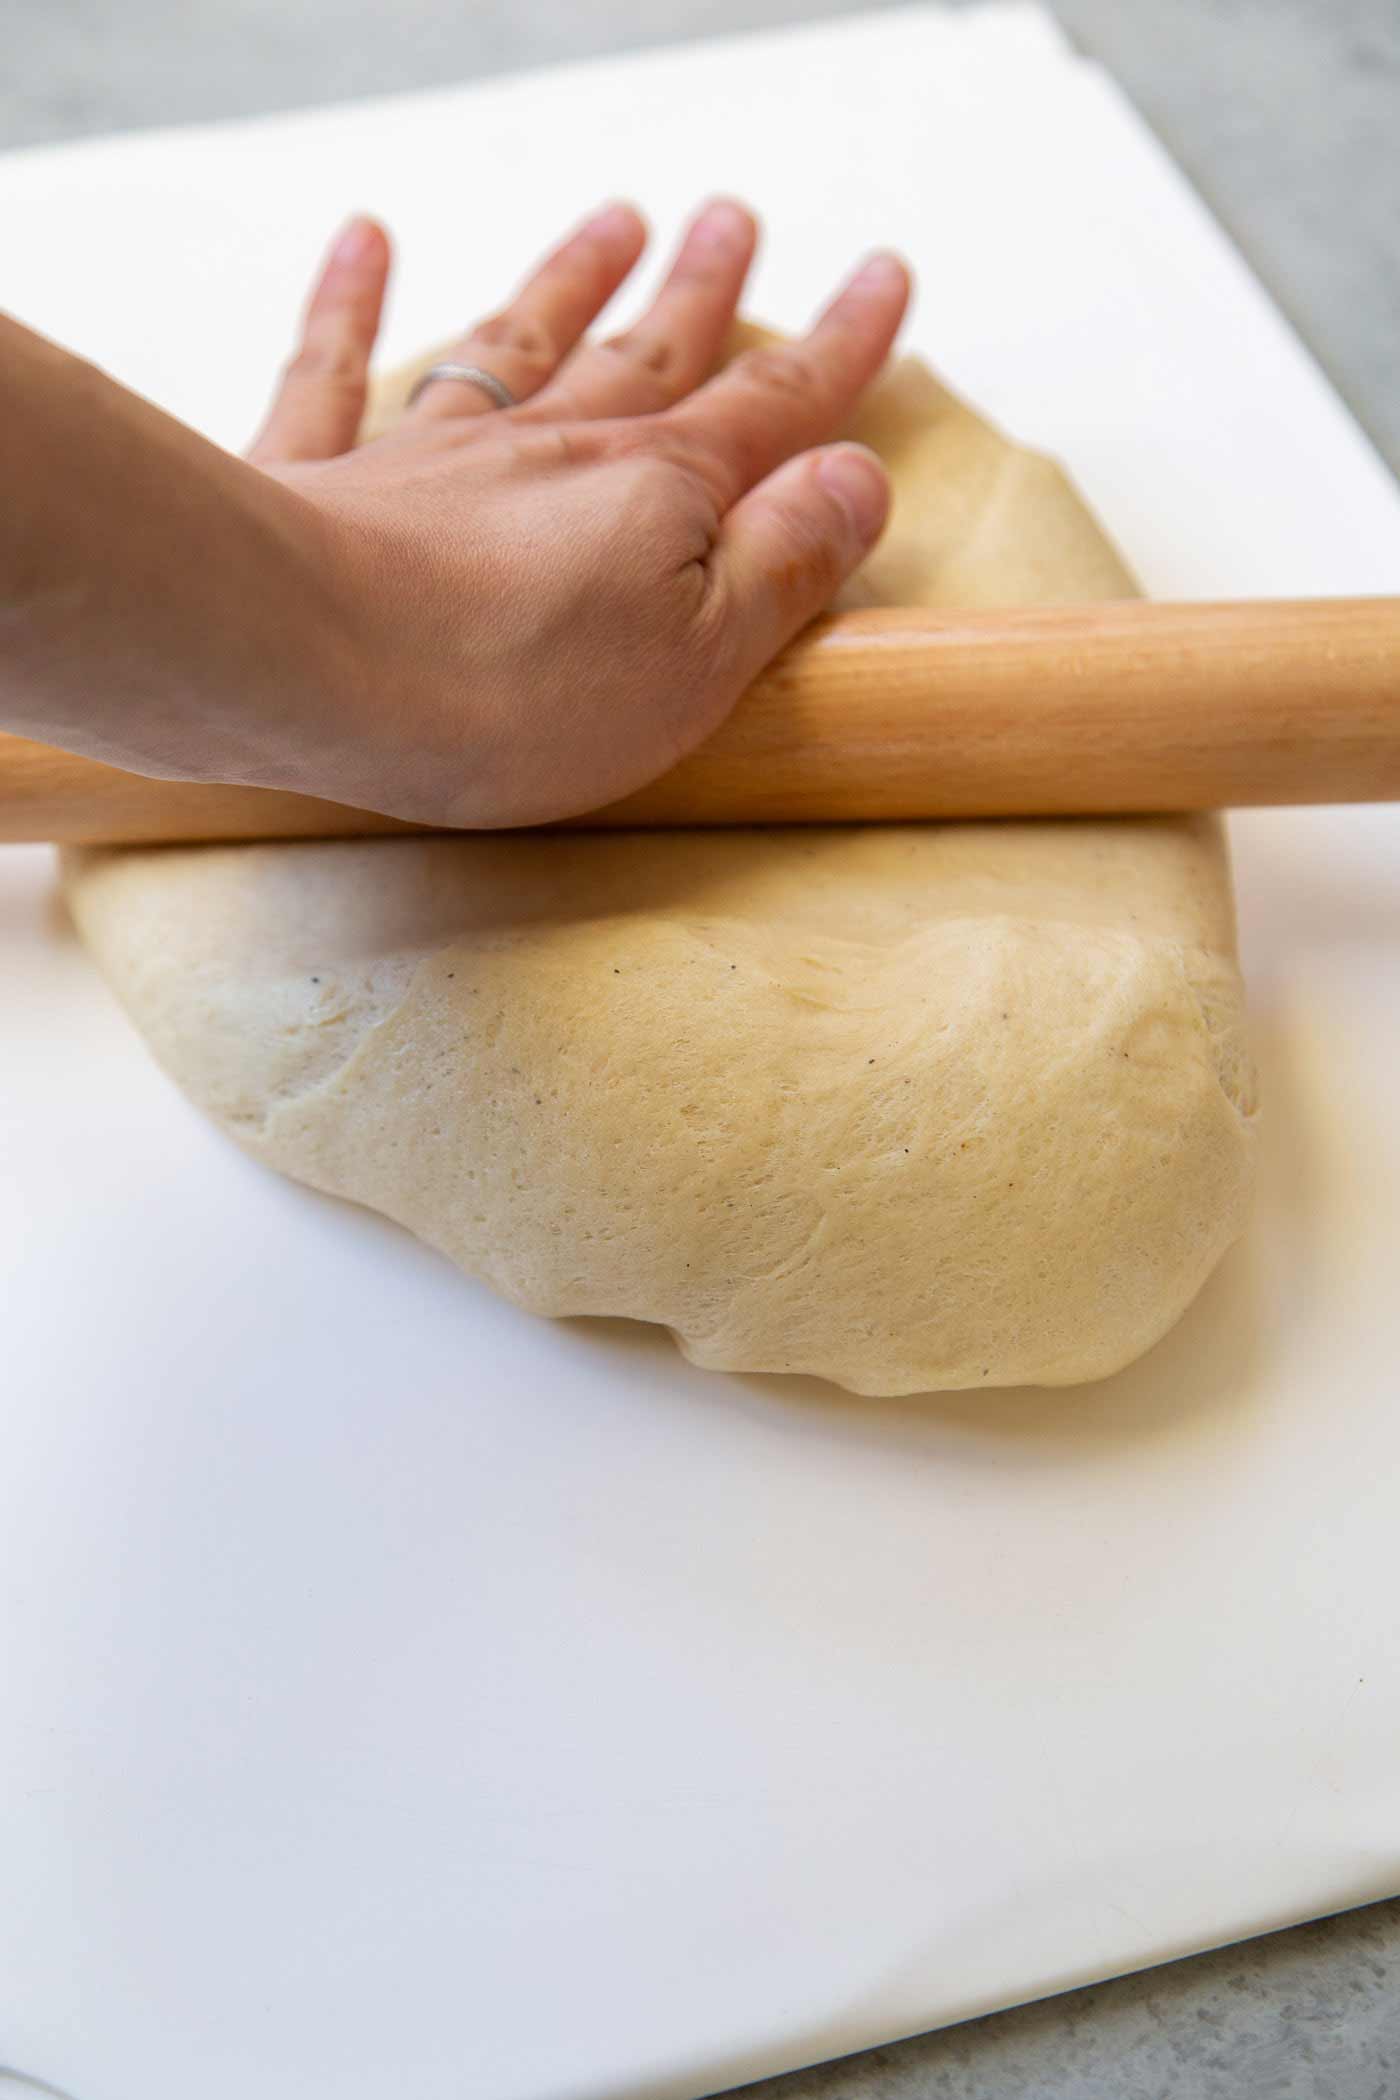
(856, 478)
(877, 273)
(613, 221)
(355, 240)
(722, 224)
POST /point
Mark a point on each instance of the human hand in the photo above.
(548, 605)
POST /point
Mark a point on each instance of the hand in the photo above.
(550, 604)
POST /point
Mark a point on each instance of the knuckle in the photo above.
(652, 354)
(650, 487)
(652, 523)
(542, 444)
(693, 449)
(526, 339)
(814, 540)
(775, 368)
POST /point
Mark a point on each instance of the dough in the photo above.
(908, 1108)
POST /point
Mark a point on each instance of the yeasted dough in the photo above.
(909, 1108)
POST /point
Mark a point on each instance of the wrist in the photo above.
(164, 607)
(300, 705)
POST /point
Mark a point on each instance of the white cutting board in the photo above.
(399, 1694)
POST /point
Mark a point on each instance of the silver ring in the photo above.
(496, 389)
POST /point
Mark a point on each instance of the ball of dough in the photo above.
(913, 1108)
(908, 1108)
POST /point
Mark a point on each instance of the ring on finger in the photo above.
(490, 383)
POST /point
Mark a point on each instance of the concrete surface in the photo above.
(1312, 2014)
(1286, 114)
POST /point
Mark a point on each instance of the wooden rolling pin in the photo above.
(881, 715)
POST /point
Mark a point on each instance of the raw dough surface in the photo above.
(913, 1108)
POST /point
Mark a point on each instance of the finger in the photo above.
(317, 408)
(787, 547)
(676, 342)
(785, 397)
(523, 344)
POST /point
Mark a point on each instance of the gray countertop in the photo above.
(1285, 113)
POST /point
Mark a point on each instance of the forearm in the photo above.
(161, 602)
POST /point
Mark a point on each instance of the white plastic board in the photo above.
(399, 1694)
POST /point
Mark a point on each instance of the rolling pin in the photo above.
(890, 714)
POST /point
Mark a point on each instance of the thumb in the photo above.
(786, 548)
